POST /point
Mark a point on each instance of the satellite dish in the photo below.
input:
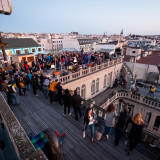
(5, 7)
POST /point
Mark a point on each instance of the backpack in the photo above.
(10, 89)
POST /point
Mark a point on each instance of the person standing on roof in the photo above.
(135, 134)
(45, 86)
(67, 99)
(110, 119)
(52, 91)
(152, 90)
(12, 94)
(76, 102)
(121, 125)
(89, 122)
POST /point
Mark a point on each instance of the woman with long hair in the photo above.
(135, 134)
(110, 119)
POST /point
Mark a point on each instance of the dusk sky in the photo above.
(83, 16)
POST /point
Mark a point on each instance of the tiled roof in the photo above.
(153, 59)
(20, 43)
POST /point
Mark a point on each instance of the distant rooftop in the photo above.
(108, 43)
(20, 43)
(153, 59)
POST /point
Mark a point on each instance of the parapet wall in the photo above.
(20, 140)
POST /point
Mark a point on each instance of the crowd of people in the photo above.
(14, 81)
(121, 126)
(67, 61)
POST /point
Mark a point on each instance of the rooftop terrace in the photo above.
(36, 114)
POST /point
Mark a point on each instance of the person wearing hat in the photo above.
(121, 125)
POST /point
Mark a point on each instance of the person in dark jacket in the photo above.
(121, 125)
(67, 99)
(135, 134)
(76, 102)
(17, 81)
(34, 85)
(59, 90)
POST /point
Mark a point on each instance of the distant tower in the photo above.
(104, 35)
(121, 35)
(122, 32)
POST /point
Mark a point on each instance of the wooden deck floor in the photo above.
(36, 114)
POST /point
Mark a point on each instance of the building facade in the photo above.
(21, 46)
(138, 104)
(94, 80)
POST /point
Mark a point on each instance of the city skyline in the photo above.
(91, 17)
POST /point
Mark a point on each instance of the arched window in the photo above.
(109, 77)
(157, 122)
(147, 118)
(105, 80)
(83, 91)
(117, 74)
(93, 87)
(97, 85)
(78, 90)
(108, 81)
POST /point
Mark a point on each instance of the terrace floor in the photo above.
(36, 114)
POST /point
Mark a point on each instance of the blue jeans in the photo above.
(91, 128)
(28, 87)
(108, 130)
(13, 98)
(46, 91)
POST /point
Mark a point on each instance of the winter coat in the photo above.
(76, 101)
(67, 98)
(136, 131)
(53, 86)
(123, 121)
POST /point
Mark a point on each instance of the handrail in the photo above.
(139, 98)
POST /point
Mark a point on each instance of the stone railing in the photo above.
(139, 98)
(22, 144)
(101, 110)
(83, 72)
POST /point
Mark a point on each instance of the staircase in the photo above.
(129, 75)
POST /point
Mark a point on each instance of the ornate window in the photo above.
(147, 118)
(97, 85)
(93, 87)
(157, 122)
(105, 80)
(83, 91)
